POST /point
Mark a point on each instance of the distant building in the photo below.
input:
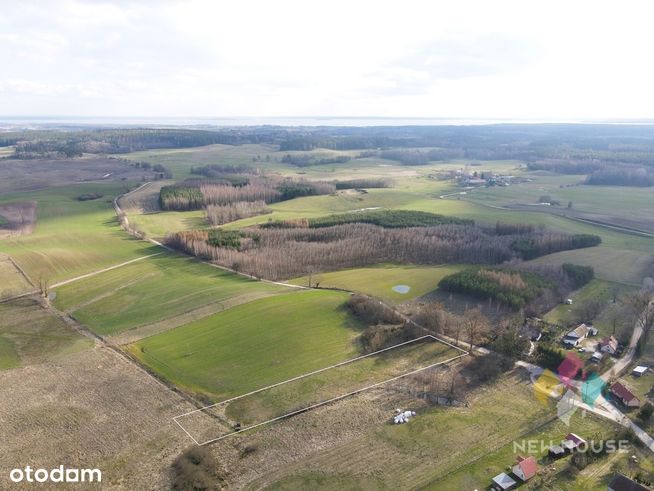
(502, 482)
(620, 482)
(525, 469)
(608, 345)
(624, 395)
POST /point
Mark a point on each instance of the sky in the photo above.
(500, 59)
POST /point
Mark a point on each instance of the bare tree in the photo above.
(475, 324)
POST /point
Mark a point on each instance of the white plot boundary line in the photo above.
(334, 399)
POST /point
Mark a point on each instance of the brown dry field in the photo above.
(284, 447)
(93, 409)
(30, 175)
(20, 217)
(145, 199)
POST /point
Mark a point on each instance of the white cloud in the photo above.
(467, 58)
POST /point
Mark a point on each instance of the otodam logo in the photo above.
(57, 475)
(572, 392)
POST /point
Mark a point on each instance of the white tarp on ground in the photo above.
(403, 416)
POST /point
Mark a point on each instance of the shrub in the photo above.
(578, 275)
(197, 470)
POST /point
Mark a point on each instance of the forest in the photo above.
(547, 243)
(513, 289)
(578, 148)
(389, 219)
(518, 286)
(600, 173)
(287, 252)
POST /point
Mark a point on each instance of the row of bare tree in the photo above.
(226, 194)
(221, 214)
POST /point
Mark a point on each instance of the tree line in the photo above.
(221, 214)
(197, 194)
(548, 243)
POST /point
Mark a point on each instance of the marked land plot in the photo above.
(315, 389)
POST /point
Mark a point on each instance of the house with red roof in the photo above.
(624, 395)
(525, 469)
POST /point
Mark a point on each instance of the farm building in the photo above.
(525, 469)
(608, 345)
(577, 335)
(620, 482)
(624, 395)
(639, 371)
(502, 482)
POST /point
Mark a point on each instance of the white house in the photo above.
(574, 337)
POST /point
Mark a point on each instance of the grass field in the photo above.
(158, 225)
(379, 280)
(629, 206)
(180, 160)
(153, 290)
(316, 388)
(30, 334)
(447, 448)
(254, 345)
(603, 291)
(72, 237)
(13, 282)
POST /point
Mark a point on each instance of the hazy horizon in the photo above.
(508, 60)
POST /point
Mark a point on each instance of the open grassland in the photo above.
(145, 215)
(379, 280)
(153, 290)
(614, 265)
(626, 206)
(91, 409)
(30, 334)
(12, 280)
(254, 345)
(35, 174)
(442, 448)
(72, 237)
(335, 382)
(159, 224)
(180, 161)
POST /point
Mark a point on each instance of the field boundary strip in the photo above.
(461, 354)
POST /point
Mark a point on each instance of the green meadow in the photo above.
(254, 345)
(72, 237)
(379, 280)
(154, 289)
